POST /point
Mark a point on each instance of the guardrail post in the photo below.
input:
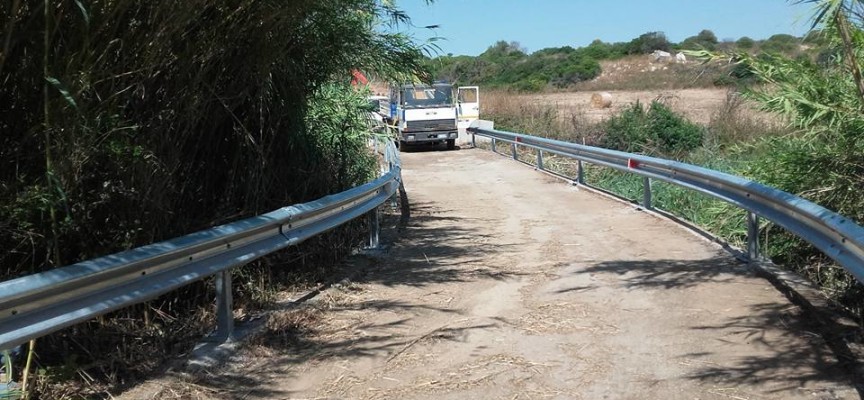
(473, 140)
(374, 228)
(753, 236)
(580, 173)
(540, 159)
(646, 193)
(394, 201)
(513, 150)
(494, 145)
(224, 306)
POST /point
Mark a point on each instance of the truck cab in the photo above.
(424, 113)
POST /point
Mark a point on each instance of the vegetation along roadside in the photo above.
(127, 122)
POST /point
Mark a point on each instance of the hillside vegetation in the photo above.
(507, 65)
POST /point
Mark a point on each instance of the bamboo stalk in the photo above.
(848, 48)
(10, 29)
(54, 251)
(25, 375)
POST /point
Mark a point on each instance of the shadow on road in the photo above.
(433, 248)
(788, 364)
(784, 364)
(436, 247)
(286, 348)
(672, 274)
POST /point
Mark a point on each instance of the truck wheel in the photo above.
(451, 144)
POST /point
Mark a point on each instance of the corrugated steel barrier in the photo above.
(42, 303)
(835, 235)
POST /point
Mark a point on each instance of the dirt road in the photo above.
(508, 284)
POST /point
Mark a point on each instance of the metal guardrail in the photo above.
(42, 303)
(835, 235)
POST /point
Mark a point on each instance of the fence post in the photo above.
(513, 150)
(224, 306)
(540, 159)
(752, 236)
(646, 193)
(494, 145)
(580, 173)
(374, 228)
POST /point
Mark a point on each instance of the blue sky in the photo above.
(470, 26)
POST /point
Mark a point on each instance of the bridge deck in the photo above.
(510, 284)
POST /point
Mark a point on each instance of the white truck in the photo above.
(427, 113)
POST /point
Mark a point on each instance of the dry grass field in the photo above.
(698, 105)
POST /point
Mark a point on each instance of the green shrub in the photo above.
(673, 132)
(657, 129)
(627, 131)
(829, 173)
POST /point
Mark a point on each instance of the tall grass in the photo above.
(736, 123)
(513, 112)
(126, 122)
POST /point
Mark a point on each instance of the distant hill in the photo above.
(507, 65)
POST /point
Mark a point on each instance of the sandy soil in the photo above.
(511, 284)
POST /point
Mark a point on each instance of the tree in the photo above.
(781, 43)
(745, 43)
(705, 40)
(648, 42)
(502, 49)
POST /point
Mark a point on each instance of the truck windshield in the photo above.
(427, 97)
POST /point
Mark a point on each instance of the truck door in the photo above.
(467, 106)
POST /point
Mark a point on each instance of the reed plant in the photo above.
(124, 122)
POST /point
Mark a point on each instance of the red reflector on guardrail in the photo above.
(518, 139)
(631, 163)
